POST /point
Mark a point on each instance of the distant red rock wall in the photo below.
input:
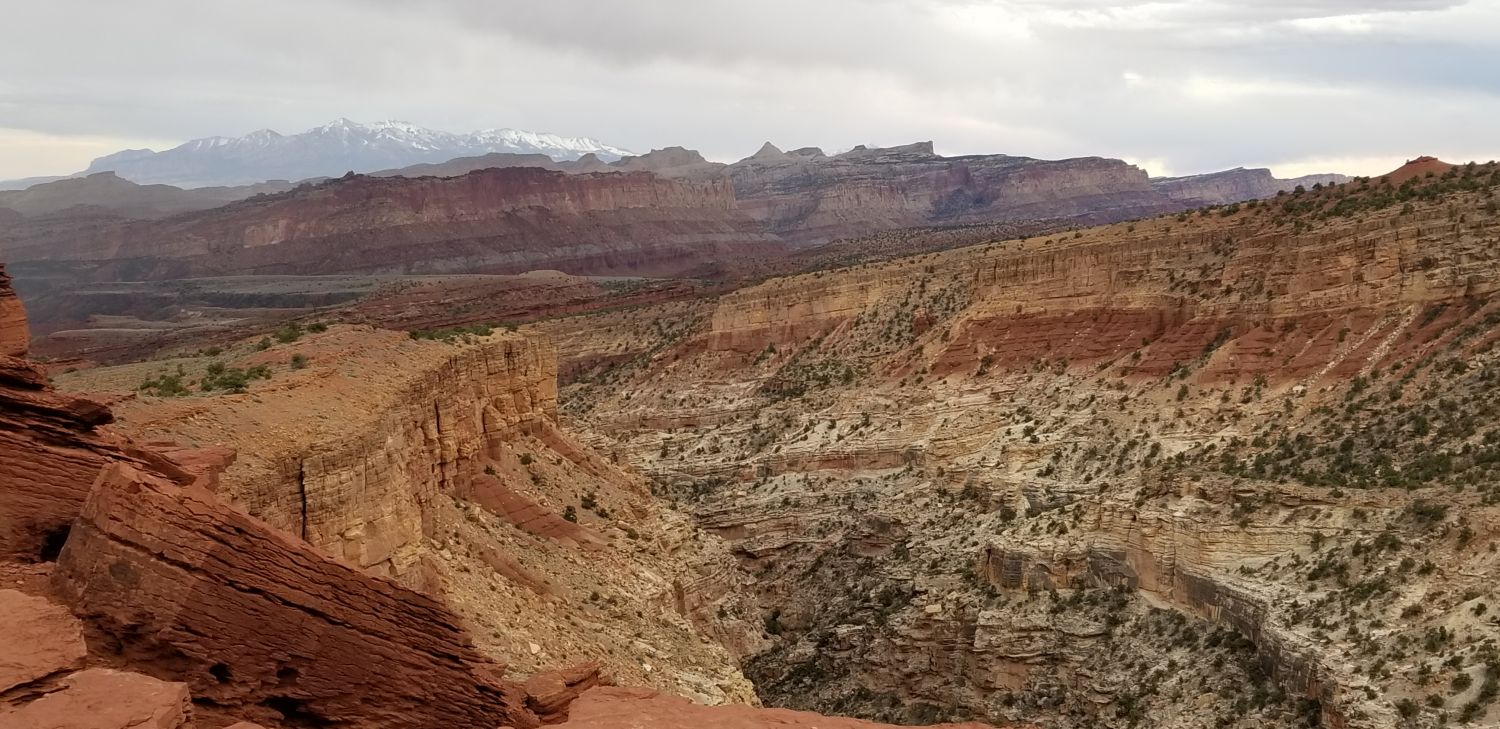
(822, 199)
(508, 220)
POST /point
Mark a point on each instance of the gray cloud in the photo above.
(1191, 85)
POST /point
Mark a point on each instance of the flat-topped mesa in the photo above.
(914, 150)
(677, 162)
(1236, 185)
(809, 198)
(505, 220)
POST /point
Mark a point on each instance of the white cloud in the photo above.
(1194, 85)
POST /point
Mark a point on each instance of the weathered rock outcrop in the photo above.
(41, 640)
(42, 686)
(182, 585)
(102, 698)
(50, 445)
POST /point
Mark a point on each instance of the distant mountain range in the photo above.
(327, 151)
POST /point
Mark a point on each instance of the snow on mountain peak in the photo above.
(333, 149)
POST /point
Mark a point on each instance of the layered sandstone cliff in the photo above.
(169, 580)
(667, 213)
(440, 464)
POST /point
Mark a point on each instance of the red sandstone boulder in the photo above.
(100, 698)
(38, 639)
(550, 693)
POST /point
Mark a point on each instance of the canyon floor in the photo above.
(1225, 468)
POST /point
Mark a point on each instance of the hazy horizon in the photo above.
(1300, 86)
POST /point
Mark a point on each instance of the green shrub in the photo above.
(165, 384)
(289, 332)
(232, 379)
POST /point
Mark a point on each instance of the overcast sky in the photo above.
(1175, 86)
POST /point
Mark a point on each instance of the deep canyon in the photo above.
(1227, 462)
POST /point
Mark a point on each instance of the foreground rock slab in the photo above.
(258, 621)
(101, 698)
(37, 639)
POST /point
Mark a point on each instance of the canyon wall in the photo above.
(362, 494)
(172, 582)
(667, 213)
(440, 464)
(1120, 476)
(1158, 290)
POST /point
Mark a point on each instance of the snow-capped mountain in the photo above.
(331, 150)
